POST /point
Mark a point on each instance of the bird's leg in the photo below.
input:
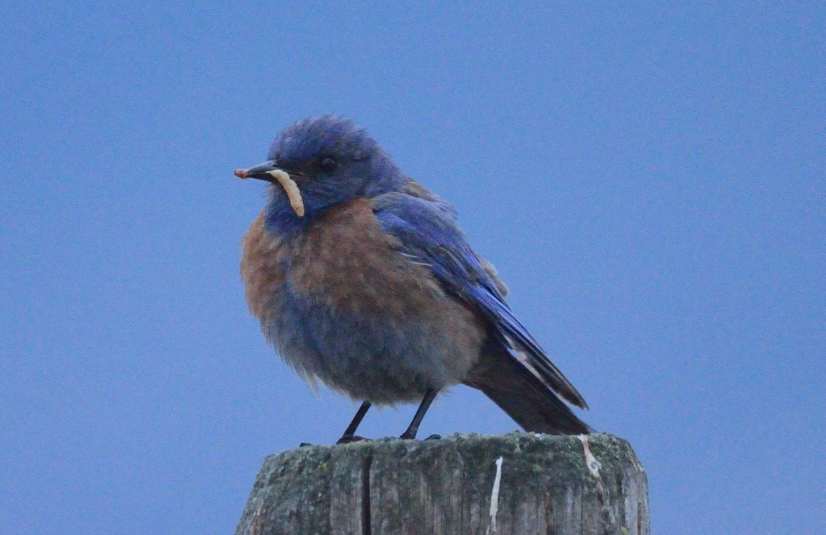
(413, 428)
(350, 433)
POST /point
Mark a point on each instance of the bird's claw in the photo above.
(347, 439)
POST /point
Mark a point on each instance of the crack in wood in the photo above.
(366, 528)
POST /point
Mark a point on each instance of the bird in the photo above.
(361, 278)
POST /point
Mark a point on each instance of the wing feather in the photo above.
(429, 236)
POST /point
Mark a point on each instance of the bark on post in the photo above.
(521, 483)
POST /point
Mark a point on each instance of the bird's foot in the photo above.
(412, 436)
(347, 439)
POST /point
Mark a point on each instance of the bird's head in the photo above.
(320, 162)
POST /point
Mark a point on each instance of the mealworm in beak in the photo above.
(291, 189)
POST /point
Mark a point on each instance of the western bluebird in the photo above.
(361, 278)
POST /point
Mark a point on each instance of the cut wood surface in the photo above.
(520, 483)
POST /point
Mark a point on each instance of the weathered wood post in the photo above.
(521, 483)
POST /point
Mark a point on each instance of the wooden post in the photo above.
(521, 483)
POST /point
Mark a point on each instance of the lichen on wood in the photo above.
(590, 484)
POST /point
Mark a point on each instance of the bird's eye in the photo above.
(329, 164)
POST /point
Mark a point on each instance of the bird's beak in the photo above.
(257, 171)
(269, 172)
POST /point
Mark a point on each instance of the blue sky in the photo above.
(649, 181)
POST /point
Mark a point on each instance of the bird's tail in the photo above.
(524, 397)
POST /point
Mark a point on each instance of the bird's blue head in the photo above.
(318, 163)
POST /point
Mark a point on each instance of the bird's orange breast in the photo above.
(346, 261)
(342, 259)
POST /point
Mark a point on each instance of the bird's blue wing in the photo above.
(428, 232)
